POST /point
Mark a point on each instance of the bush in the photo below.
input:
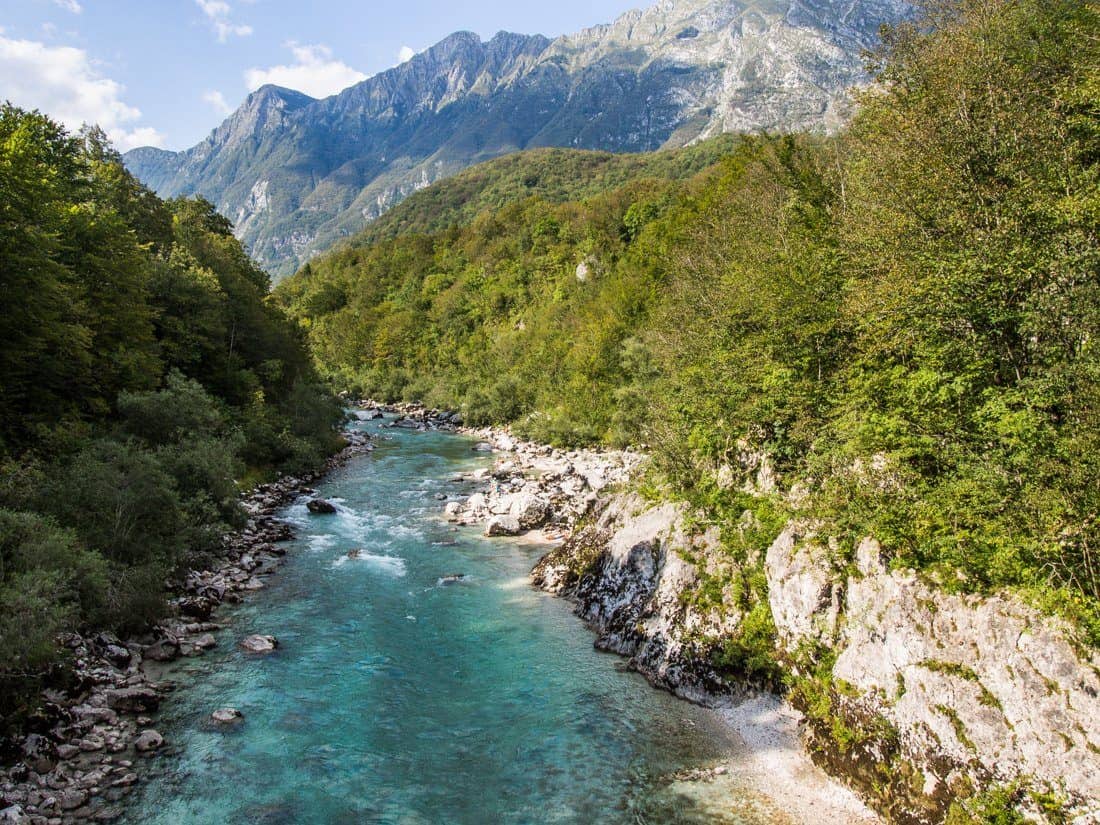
(120, 500)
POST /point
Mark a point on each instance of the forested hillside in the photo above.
(903, 318)
(144, 375)
(551, 175)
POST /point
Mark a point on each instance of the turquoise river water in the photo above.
(396, 699)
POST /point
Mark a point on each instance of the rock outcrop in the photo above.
(972, 691)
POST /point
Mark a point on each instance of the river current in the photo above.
(397, 698)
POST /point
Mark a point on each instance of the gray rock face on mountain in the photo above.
(296, 174)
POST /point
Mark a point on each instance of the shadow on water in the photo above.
(397, 697)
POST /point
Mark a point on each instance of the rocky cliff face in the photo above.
(929, 697)
(296, 174)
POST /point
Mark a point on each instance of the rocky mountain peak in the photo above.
(267, 109)
(297, 174)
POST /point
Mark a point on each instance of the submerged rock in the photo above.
(227, 716)
(320, 507)
(453, 578)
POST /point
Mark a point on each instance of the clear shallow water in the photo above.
(395, 699)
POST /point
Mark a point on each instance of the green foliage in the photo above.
(749, 654)
(996, 806)
(137, 345)
(46, 579)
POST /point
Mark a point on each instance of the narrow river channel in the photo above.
(397, 698)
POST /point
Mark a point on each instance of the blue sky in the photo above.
(165, 72)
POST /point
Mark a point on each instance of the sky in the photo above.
(165, 72)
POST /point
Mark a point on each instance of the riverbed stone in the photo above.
(71, 798)
(321, 507)
(136, 699)
(227, 716)
(147, 741)
(503, 526)
(259, 644)
(92, 743)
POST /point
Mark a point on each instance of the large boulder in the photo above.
(138, 699)
(163, 650)
(39, 753)
(530, 511)
(320, 507)
(147, 741)
(503, 526)
(117, 655)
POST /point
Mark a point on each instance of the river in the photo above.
(396, 698)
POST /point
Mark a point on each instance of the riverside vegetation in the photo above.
(900, 319)
(146, 377)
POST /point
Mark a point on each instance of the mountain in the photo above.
(297, 174)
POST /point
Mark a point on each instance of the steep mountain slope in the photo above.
(295, 174)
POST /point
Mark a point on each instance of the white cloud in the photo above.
(218, 101)
(63, 83)
(406, 54)
(314, 71)
(70, 5)
(217, 13)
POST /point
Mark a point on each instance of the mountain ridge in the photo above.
(296, 174)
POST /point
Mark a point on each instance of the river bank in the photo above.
(933, 698)
(90, 743)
